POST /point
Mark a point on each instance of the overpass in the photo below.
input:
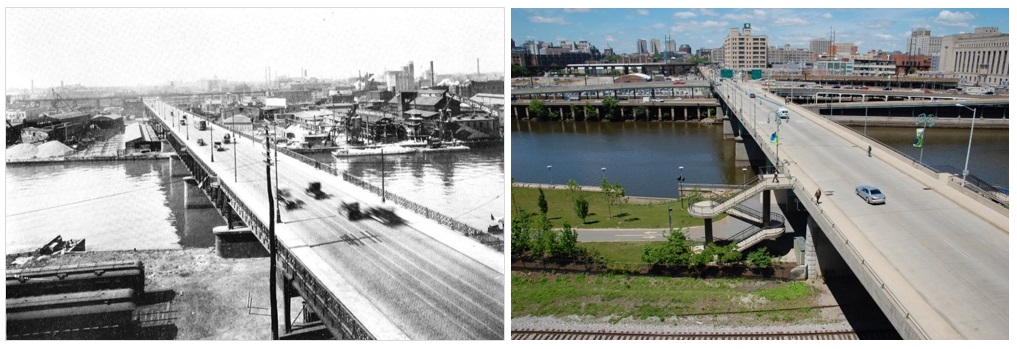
(363, 278)
(935, 257)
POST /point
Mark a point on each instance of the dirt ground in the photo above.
(192, 293)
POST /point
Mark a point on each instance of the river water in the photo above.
(645, 156)
(467, 186)
(138, 205)
(113, 205)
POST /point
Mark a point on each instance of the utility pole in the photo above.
(383, 175)
(271, 242)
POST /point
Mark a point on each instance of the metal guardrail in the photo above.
(752, 230)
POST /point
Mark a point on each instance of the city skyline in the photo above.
(139, 46)
(885, 29)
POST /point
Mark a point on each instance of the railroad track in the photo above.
(528, 334)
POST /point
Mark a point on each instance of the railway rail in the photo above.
(534, 334)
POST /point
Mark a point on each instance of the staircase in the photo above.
(758, 232)
(720, 204)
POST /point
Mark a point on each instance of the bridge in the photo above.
(935, 257)
(363, 278)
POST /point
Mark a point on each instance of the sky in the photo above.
(882, 28)
(153, 46)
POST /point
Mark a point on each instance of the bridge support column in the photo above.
(708, 231)
(766, 208)
(194, 197)
(287, 295)
(811, 262)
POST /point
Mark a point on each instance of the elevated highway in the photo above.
(934, 258)
(365, 279)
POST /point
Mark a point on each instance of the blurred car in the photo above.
(752, 95)
(870, 194)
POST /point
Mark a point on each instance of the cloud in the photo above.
(708, 12)
(827, 15)
(643, 12)
(790, 21)
(885, 36)
(609, 38)
(878, 23)
(571, 10)
(759, 13)
(737, 17)
(684, 14)
(551, 20)
(658, 26)
(954, 19)
(712, 24)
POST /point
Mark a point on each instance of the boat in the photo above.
(445, 148)
(388, 149)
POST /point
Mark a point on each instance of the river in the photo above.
(645, 156)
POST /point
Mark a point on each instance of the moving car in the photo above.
(870, 194)
(783, 113)
(752, 95)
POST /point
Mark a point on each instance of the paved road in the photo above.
(408, 273)
(949, 264)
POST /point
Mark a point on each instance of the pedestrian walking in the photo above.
(819, 192)
(870, 151)
(775, 180)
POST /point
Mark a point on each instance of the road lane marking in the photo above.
(921, 252)
(956, 249)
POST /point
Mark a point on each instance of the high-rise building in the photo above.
(820, 46)
(655, 46)
(641, 46)
(742, 50)
(787, 54)
(670, 46)
(980, 58)
(921, 42)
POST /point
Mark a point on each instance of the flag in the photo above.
(773, 138)
(919, 137)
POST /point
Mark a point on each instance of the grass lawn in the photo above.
(560, 209)
(641, 297)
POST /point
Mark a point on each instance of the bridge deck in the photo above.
(417, 280)
(939, 254)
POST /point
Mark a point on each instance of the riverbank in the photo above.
(138, 157)
(201, 296)
(900, 121)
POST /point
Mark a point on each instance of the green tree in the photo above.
(519, 71)
(591, 111)
(760, 258)
(521, 233)
(572, 188)
(641, 112)
(553, 116)
(610, 105)
(582, 208)
(542, 202)
(676, 251)
(537, 109)
(728, 254)
(612, 58)
(575, 111)
(567, 242)
(612, 193)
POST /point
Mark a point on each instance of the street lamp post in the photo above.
(211, 139)
(549, 181)
(971, 135)
(743, 175)
(681, 182)
(669, 226)
(603, 173)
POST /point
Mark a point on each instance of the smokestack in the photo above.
(478, 66)
(432, 73)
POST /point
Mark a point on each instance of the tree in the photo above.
(760, 258)
(542, 202)
(590, 111)
(609, 104)
(582, 208)
(521, 233)
(566, 242)
(537, 109)
(572, 188)
(519, 71)
(553, 116)
(612, 193)
(640, 111)
(676, 251)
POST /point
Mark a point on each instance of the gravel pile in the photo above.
(20, 151)
(53, 149)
